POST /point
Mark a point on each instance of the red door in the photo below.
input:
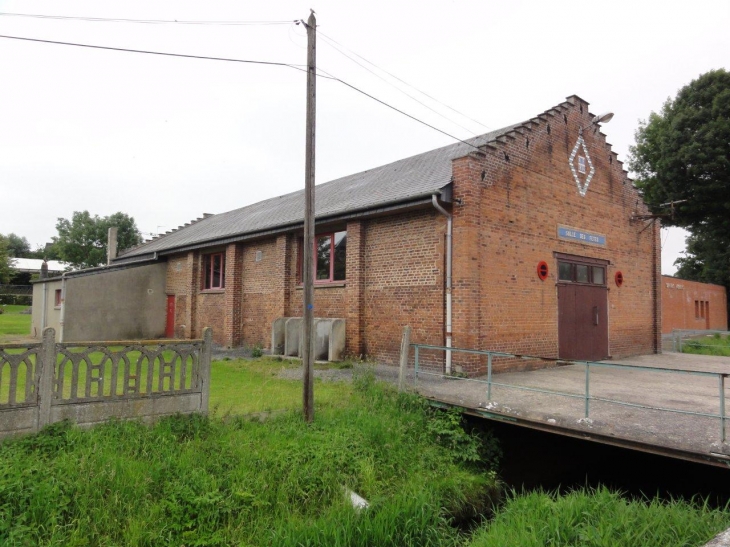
(582, 308)
(582, 322)
(170, 325)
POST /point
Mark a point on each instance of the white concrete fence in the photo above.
(90, 382)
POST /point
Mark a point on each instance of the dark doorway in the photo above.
(582, 309)
(170, 324)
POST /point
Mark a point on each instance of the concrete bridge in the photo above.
(671, 404)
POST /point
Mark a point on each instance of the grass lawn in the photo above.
(13, 323)
(244, 386)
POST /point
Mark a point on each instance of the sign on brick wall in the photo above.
(581, 236)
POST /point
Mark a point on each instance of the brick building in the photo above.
(691, 305)
(547, 257)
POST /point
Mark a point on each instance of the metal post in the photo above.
(308, 282)
(588, 389)
(721, 378)
(489, 376)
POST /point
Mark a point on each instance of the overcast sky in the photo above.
(167, 139)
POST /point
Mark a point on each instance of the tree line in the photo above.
(81, 241)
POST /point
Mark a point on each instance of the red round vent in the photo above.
(619, 278)
(542, 270)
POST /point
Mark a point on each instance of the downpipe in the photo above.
(45, 304)
(449, 223)
(63, 307)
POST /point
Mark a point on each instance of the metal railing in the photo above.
(16, 290)
(586, 395)
(682, 337)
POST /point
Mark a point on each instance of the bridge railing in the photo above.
(584, 394)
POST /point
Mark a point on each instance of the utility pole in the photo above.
(308, 319)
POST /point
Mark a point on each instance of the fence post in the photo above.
(489, 376)
(721, 378)
(404, 349)
(588, 389)
(204, 371)
(46, 363)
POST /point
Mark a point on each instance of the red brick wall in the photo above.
(679, 310)
(404, 280)
(513, 199)
(263, 288)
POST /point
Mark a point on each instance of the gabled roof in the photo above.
(403, 181)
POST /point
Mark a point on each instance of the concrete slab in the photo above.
(611, 419)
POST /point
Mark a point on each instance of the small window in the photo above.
(58, 299)
(581, 273)
(581, 164)
(213, 271)
(697, 309)
(565, 271)
(598, 276)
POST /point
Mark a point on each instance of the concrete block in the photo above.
(336, 340)
(278, 335)
(321, 338)
(292, 334)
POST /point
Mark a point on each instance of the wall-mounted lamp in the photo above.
(601, 118)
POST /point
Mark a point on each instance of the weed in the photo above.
(257, 351)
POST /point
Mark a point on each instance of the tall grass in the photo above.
(599, 518)
(715, 344)
(193, 480)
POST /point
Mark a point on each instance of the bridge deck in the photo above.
(692, 437)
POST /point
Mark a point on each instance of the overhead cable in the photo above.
(144, 21)
(401, 80)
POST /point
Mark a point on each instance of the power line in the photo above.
(186, 56)
(403, 81)
(270, 63)
(144, 21)
(331, 77)
(328, 40)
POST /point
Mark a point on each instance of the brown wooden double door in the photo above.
(582, 310)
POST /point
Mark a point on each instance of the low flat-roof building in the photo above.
(690, 305)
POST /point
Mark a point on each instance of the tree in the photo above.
(18, 247)
(6, 271)
(682, 162)
(82, 241)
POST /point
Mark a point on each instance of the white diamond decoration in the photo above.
(582, 187)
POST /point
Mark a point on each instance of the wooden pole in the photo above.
(308, 269)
